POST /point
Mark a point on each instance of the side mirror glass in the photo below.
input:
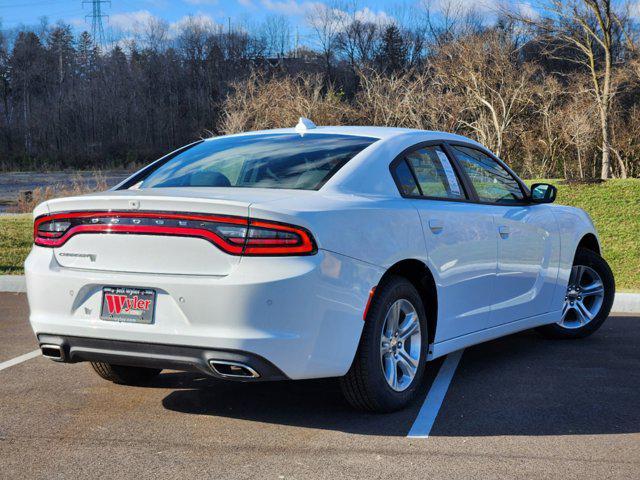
(543, 193)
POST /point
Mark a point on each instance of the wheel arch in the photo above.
(422, 279)
(590, 242)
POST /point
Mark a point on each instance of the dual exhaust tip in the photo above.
(222, 368)
(235, 370)
(53, 352)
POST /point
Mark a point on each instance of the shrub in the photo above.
(260, 103)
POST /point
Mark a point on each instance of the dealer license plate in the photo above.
(125, 304)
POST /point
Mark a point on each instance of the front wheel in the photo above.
(588, 299)
(390, 361)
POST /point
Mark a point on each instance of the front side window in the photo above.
(492, 182)
(427, 172)
(274, 160)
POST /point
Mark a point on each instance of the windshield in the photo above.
(273, 160)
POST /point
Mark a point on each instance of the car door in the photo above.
(459, 238)
(528, 244)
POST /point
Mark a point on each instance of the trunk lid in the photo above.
(153, 253)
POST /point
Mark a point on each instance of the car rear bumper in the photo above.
(303, 315)
(248, 366)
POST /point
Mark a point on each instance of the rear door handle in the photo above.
(436, 225)
(504, 231)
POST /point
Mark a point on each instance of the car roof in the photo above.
(365, 131)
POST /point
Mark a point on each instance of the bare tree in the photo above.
(277, 34)
(358, 41)
(325, 20)
(494, 87)
(541, 128)
(155, 34)
(447, 20)
(397, 99)
(584, 32)
(64, 102)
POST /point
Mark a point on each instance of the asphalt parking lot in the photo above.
(517, 407)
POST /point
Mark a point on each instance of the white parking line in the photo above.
(429, 411)
(20, 359)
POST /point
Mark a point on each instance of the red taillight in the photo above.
(267, 238)
(234, 235)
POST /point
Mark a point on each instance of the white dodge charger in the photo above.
(352, 252)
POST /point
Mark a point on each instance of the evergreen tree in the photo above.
(392, 56)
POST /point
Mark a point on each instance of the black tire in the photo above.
(125, 375)
(590, 259)
(365, 386)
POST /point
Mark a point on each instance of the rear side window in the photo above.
(492, 182)
(406, 180)
(272, 160)
(428, 172)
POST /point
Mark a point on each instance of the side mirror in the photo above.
(543, 193)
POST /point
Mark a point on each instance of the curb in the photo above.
(624, 302)
(13, 283)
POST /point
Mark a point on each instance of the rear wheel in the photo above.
(390, 361)
(124, 375)
(588, 299)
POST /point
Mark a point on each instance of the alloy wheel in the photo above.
(400, 345)
(583, 299)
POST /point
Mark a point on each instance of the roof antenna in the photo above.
(304, 124)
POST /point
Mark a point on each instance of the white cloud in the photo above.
(246, 3)
(634, 10)
(527, 11)
(380, 17)
(134, 22)
(202, 20)
(484, 8)
(130, 21)
(80, 23)
(288, 7)
(299, 8)
(460, 6)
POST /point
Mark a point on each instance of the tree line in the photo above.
(555, 92)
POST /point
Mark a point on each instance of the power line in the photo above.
(96, 15)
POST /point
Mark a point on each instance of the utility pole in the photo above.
(96, 15)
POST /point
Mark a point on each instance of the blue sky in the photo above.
(123, 13)
(127, 15)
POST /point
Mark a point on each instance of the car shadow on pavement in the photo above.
(309, 403)
(529, 385)
(523, 384)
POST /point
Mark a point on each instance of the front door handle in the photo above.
(504, 231)
(436, 225)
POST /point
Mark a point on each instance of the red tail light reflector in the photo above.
(233, 235)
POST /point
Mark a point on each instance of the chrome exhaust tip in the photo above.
(54, 352)
(235, 370)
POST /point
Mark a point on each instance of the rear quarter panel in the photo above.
(376, 230)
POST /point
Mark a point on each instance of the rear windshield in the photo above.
(295, 161)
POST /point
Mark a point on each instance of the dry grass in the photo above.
(78, 186)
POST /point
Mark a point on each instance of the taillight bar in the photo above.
(233, 235)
